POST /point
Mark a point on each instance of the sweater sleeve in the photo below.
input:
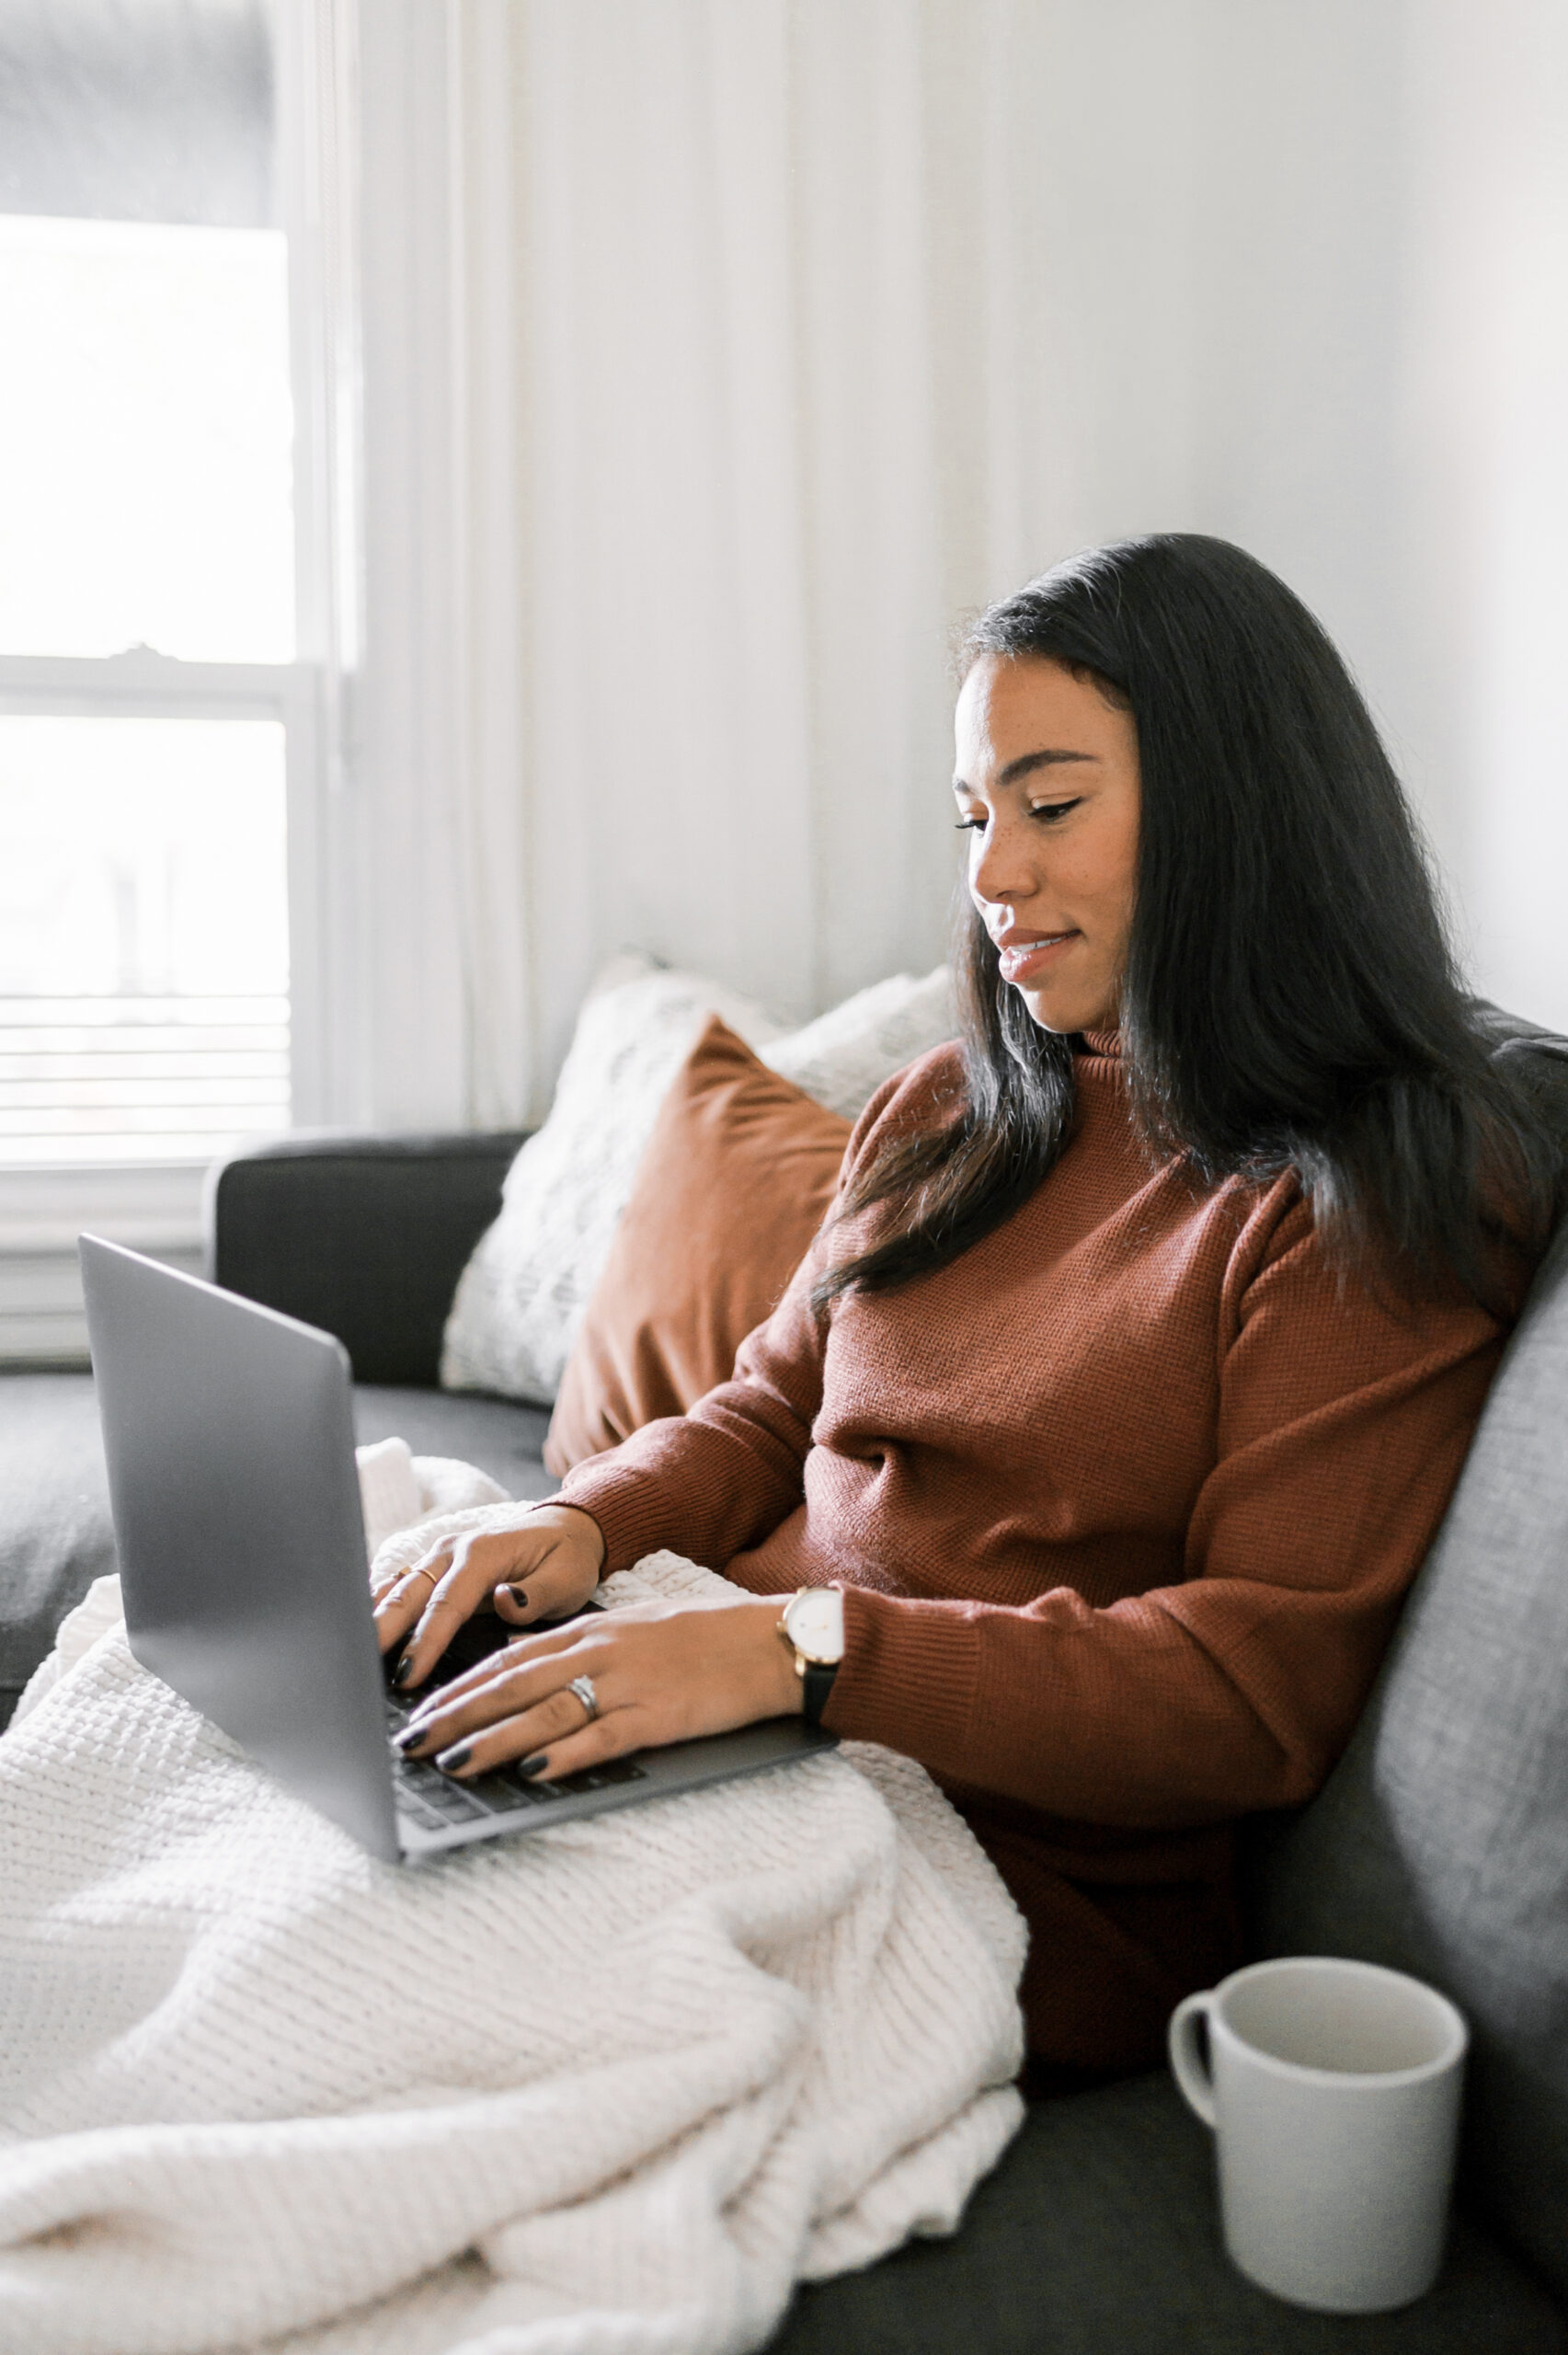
(1343, 1426)
(715, 1481)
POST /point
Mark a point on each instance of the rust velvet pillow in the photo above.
(735, 1182)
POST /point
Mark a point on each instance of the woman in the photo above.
(1123, 1392)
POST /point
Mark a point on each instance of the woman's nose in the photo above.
(1000, 868)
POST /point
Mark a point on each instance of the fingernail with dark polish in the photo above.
(409, 1736)
(534, 1765)
(448, 1761)
(405, 1671)
(520, 1596)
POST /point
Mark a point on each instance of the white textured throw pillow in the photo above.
(521, 1297)
(842, 1057)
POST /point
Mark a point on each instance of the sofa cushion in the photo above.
(1098, 2234)
(737, 1178)
(1440, 1843)
(503, 1438)
(55, 1537)
(521, 1297)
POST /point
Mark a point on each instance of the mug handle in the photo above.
(1186, 2064)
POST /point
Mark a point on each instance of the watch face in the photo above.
(815, 1624)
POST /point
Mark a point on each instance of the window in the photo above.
(144, 938)
(157, 726)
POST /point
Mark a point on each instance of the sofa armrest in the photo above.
(363, 1235)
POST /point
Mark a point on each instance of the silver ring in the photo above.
(583, 1687)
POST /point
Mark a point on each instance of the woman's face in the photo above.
(1048, 783)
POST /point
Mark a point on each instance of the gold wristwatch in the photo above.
(813, 1628)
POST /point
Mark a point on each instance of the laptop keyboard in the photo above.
(435, 1803)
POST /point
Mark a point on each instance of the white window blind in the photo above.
(144, 937)
(139, 1078)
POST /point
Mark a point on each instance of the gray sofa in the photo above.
(1440, 1843)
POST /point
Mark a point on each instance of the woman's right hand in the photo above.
(545, 1567)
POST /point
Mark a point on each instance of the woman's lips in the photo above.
(1025, 959)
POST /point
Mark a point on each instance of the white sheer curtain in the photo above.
(800, 384)
(734, 530)
(759, 339)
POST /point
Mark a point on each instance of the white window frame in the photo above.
(158, 1206)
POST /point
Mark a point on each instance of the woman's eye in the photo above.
(1047, 812)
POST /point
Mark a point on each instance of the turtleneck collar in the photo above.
(1106, 1045)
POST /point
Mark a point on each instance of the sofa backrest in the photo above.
(1440, 1843)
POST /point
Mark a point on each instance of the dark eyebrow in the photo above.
(1026, 764)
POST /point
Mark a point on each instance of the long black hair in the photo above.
(1289, 1002)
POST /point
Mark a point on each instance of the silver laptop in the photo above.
(230, 1439)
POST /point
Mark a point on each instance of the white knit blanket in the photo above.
(609, 2089)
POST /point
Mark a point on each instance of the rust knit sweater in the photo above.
(1124, 1502)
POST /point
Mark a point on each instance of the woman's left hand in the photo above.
(660, 1673)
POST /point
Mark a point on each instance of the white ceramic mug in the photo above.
(1333, 2088)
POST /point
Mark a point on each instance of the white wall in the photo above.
(827, 320)
(1381, 404)
(1486, 378)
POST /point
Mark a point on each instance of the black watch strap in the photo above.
(818, 1679)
